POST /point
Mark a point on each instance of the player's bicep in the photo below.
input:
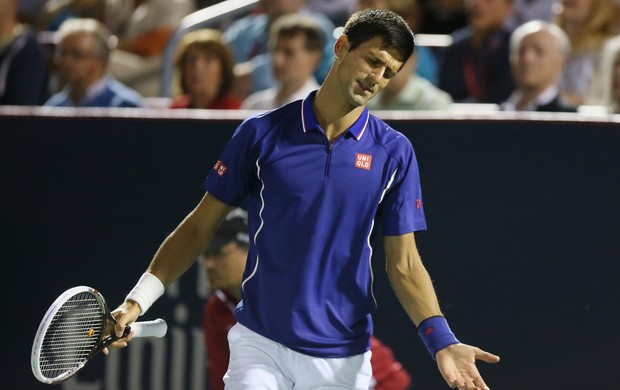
(208, 214)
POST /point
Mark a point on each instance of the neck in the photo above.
(335, 119)
(202, 101)
(479, 38)
(78, 90)
(77, 93)
(529, 94)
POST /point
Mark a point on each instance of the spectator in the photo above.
(143, 27)
(475, 67)
(408, 91)
(588, 25)
(606, 91)
(204, 68)
(82, 53)
(248, 38)
(23, 74)
(296, 49)
(224, 261)
(538, 52)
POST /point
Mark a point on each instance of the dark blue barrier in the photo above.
(523, 241)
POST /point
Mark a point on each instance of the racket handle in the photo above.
(155, 328)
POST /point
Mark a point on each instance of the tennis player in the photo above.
(319, 176)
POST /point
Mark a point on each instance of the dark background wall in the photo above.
(523, 242)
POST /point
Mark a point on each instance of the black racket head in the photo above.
(69, 334)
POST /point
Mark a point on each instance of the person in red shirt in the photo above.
(204, 72)
(224, 261)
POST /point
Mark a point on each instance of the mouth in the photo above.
(364, 87)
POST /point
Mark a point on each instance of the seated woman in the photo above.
(588, 25)
(204, 72)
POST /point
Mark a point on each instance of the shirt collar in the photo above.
(97, 88)
(92, 92)
(544, 98)
(309, 121)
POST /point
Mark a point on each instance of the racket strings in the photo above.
(72, 335)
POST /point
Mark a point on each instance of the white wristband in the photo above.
(148, 289)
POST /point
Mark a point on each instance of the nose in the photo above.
(375, 75)
(208, 263)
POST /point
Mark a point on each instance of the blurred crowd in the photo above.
(518, 55)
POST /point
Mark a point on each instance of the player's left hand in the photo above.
(457, 364)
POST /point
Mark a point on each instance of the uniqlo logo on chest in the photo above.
(363, 161)
(220, 168)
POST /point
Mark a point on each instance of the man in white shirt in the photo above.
(296, 44)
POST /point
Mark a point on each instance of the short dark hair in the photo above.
(365, 25)
(292, 24)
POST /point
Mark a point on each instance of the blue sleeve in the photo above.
(402, 210)
(232, 174)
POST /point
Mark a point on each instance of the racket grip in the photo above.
(155, 328)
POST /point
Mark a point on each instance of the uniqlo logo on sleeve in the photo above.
(220, 168)
(363, 161)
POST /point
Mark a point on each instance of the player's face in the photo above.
(615, 91)
(225, 267)
(77, 62)
(292, 62)
(539, 61)
(202, 72)
(366, 70)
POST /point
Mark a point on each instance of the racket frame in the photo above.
(106, 337)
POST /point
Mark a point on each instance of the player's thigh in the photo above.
(353, 372)
(251, 365)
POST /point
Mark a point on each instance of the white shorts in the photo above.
(259, 363)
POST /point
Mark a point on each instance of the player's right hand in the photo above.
(125, 314)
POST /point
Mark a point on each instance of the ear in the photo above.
(341, 47)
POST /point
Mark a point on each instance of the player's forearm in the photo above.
(410, 280)
(181, 248)
(414, 289)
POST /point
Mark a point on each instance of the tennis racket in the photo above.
(75, 328)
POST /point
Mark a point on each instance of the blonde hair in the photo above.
(606, 69)
(599, 27)
(209, 41)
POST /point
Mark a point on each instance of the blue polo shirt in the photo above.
(312, 207)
